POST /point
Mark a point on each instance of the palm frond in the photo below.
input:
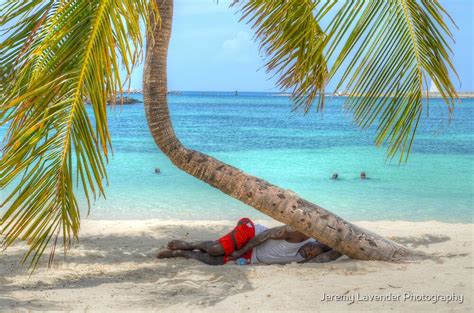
(293, 42)
(380, 53)
(394, 49)
(56, 54)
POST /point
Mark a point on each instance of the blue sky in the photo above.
(211, 50)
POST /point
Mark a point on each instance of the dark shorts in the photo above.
(238, 237)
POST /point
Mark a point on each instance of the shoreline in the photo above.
(268, 221)
(113, 268)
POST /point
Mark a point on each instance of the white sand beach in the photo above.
(113, 268)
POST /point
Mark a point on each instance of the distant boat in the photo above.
(236, 93)
(174, 92)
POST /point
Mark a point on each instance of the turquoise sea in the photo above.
(258, 133)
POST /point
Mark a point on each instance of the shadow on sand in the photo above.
(123, 269)
(424, 240)
(119, 262)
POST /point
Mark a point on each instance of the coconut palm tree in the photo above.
(56, 53)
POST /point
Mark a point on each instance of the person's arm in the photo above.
(276, 233)
(325, 257)
(311, 250)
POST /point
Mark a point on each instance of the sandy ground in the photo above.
(113, 268)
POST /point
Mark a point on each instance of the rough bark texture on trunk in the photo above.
(280, 204)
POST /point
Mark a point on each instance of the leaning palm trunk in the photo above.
(280, 204)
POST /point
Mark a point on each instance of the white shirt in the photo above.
(277, 251)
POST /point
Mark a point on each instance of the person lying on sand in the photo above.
(255, 244)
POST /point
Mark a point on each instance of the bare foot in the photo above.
(179, 245)
(166, 254)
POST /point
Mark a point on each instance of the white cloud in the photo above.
(241, 48)
(235, 45)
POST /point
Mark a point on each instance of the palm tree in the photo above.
(58, 52)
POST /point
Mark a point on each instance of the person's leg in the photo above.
(213, 248)
(197, 255)
(224, 246)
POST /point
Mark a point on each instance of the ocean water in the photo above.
(258, 133)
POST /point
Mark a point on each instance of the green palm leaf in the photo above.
(56, 54)
(293, 43)
(394, 49)
(382, 54)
